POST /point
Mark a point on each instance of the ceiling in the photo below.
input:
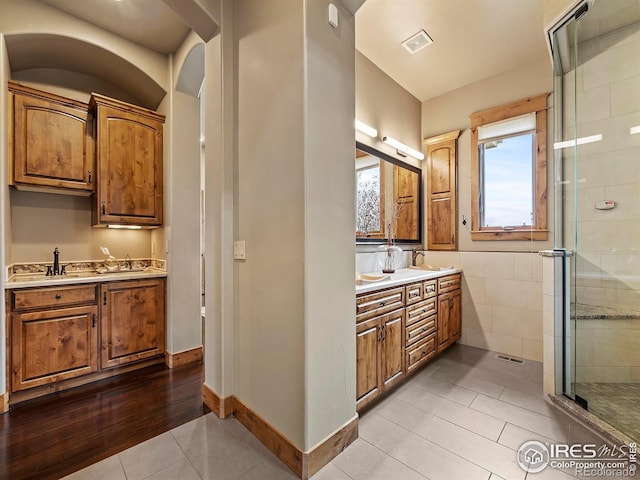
(149, 23)
(472, 40)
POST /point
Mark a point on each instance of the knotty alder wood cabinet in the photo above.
(399, 329)
(51, 143)
(129, 158)
(53, 334)
(68, 332)
(132, 321)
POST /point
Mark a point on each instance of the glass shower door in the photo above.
(597, 160)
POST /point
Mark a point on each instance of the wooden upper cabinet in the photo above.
(129, 158)
(442, 205)
(52, 144)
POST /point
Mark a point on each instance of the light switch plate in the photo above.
(239, 250)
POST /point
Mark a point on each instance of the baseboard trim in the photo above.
(222, 407)
(270, 437)
(303, 464)
(329, 448)
(174, 360)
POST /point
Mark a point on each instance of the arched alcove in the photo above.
(191, 73)
(36, 51)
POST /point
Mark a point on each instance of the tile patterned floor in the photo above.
(616, 403)
(463, 417)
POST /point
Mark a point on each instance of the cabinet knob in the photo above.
(382, 304)
(58, 296)
(104, 208)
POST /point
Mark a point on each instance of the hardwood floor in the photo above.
(53, 436)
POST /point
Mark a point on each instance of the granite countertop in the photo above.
(403, 276)
(598, 312)
(33, 274)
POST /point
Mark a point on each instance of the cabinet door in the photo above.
(129, 166)
(52, 345)
(442, 192)
(53, 146)
(444, 315)
(368, 373)
(132, 321)
(392, 356)
(406, 197)
(455, 315)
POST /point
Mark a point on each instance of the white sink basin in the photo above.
(362, 278)
(429, 267)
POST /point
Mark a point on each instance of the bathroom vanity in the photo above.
(402, 323)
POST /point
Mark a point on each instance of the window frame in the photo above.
(538, 230)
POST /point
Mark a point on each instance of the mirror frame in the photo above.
(388, 158)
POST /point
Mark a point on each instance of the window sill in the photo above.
(499, 234)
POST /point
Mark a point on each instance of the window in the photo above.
(509, 171)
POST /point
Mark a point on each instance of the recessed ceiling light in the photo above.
(417, 42)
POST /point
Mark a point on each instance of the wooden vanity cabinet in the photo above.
(51, 144)
(425, 320)
(132, 321)
(379, 344)
(449, 310)
(53, 334)
(129, 161)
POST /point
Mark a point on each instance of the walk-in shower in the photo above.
(596, 53)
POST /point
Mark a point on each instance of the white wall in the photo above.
(329, 179)
(501, 300)
(271, 212)
(451, 112)
(385, 105)
(5, 236)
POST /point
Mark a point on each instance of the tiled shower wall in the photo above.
(501, 300)
(607, 100)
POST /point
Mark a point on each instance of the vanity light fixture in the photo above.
(125, 227)
(577, 141)
(417, 42)
(634, 130)
(366, 129)
(402, 148)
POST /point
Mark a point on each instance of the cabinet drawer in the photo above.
(372, 304)
(421, 310)
(414, 293)
(449, 283)
(421, 352)
(430, 288)
(421, 329)
(34, 298)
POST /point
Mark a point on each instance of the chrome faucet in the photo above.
(414, 255)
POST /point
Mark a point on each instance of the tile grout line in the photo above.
(434, 443)
(184, 452)
(397, 460)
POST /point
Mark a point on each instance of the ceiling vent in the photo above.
(417, 42)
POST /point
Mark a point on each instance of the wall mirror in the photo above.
(388, 198)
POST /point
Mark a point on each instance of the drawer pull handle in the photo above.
(382, 304)
(424, 352)
(424, 329)
(93, 320)
(424, 310)
(412, 295)
(58, 296)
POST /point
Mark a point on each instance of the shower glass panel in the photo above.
(597, 211)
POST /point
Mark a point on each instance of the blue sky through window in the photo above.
(508, 182)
